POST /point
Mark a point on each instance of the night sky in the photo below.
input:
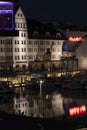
(73, 11)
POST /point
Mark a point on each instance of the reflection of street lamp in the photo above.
(40, 88)
(40, 84)
(40, 105)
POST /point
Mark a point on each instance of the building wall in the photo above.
(81, 52)
(56, 50)
(38, 47)
(26, 49)
(6, 52)
(20, 43)
(19, 51)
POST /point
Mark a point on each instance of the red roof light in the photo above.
(76, 39)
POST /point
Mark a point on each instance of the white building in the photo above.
(19, 50)
(20, 42)
(22, 49)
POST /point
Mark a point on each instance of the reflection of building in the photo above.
(57, 105)
(21, 106)
(26, 106)
(26, 50)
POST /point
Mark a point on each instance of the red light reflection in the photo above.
(79, 110)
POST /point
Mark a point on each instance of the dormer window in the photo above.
(58, 35)
(35, 34)
(47, 34)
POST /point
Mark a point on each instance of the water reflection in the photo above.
(43, 100)
(51, 101)
(48, 105)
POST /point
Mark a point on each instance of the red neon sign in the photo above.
(76, 39)
(79, 110)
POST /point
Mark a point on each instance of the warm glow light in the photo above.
(76, 39)
(79, 110)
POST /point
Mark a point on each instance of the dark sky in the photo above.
(74, 11)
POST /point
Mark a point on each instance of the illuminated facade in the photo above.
(79, 47)
(19, 51)
(27, 49)
(20, 43)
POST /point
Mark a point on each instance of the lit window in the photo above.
(22, 49)
(19, 105)
(18, 57)
(24, 42)
(21, 41)
(23, 104)
(22, 57)
(24, 34)
(30, 42)
(21, 34)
